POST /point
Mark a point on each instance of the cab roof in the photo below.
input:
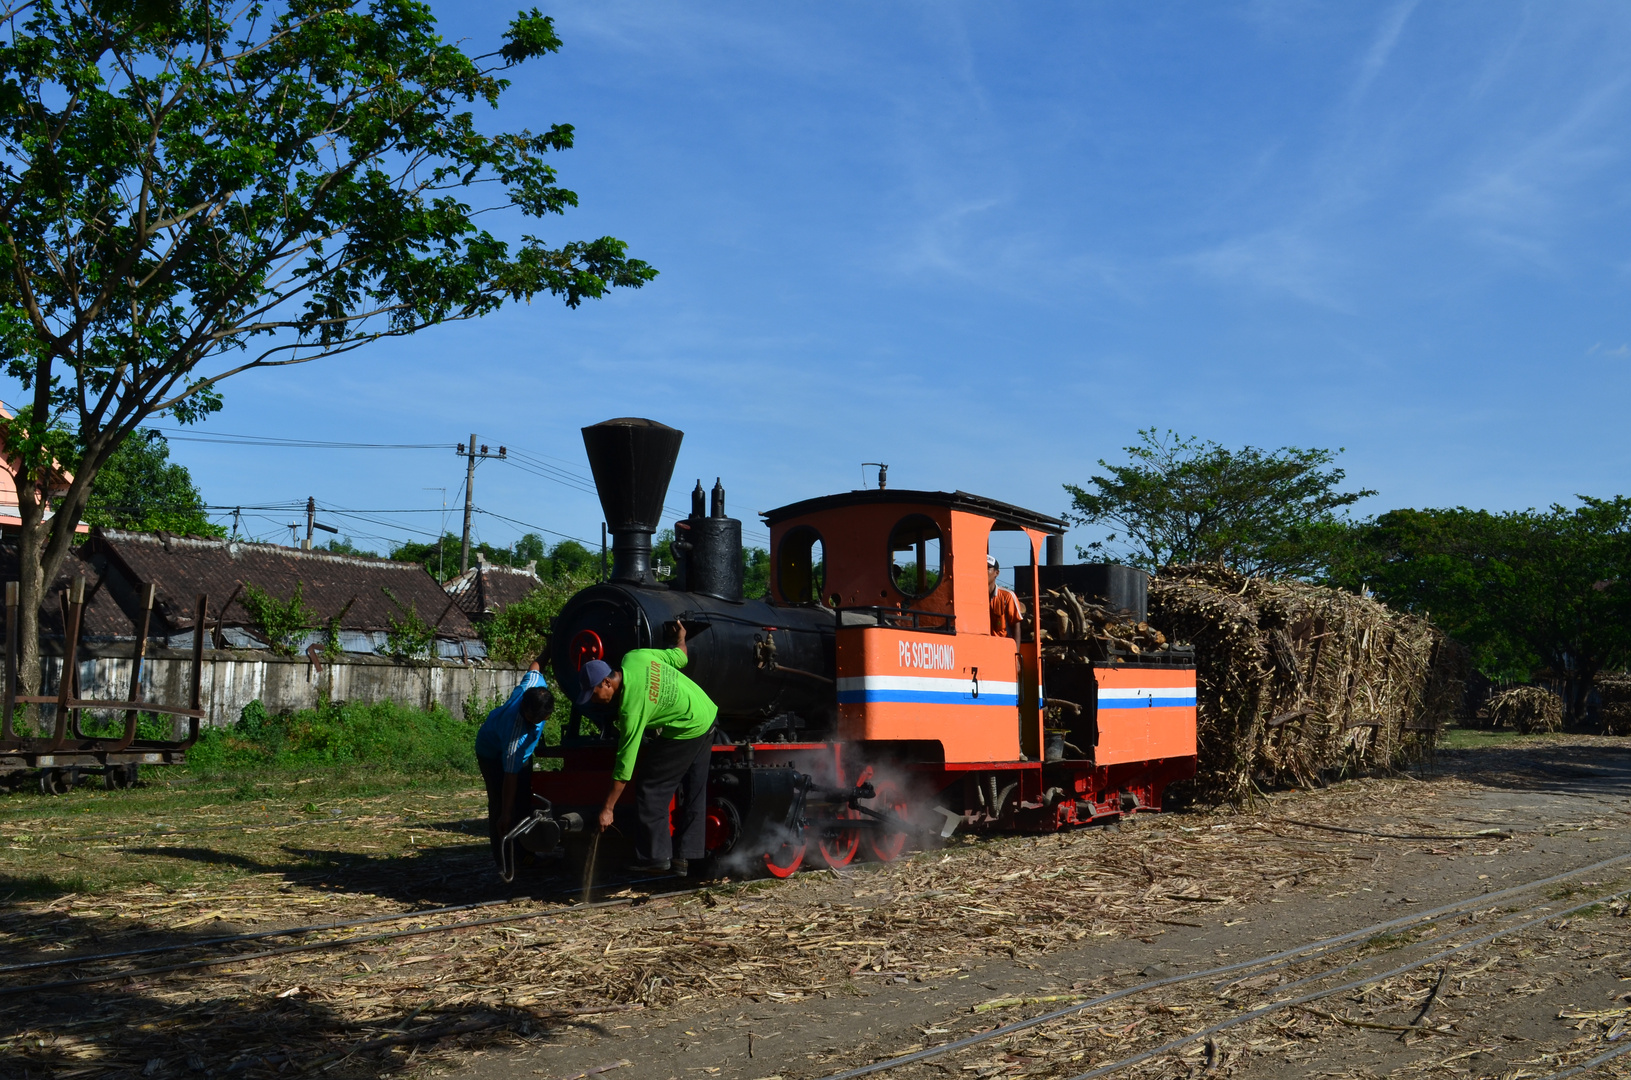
(1001, 512)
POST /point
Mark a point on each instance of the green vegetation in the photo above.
(1533, 593)
(283, 623)
(1530, 592)
(407, 635)
(1182, 500)
(384, 735)
(197, 190)
(518, 634)
(1465, 738)
(139, 487)
(568, 557)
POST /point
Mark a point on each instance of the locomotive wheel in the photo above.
(784, 861)
(723, 828)
(838, 845)
(54, 782)
(887, 846)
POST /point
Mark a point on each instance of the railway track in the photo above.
(1526, 918)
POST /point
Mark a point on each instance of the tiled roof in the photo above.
(486, 589)
(183, 567)
(102, 618)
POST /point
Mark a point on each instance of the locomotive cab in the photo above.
(920, 674)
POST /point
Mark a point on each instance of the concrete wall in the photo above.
(232, 680)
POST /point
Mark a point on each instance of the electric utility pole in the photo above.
(470, 454)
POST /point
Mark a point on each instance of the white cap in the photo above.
(991, 560)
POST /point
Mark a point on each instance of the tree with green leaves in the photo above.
(1532, 593)
(436, 560)
(1184, 500)
(193, 190)
(139, 487)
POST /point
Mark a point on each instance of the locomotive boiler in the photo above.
(866, 704)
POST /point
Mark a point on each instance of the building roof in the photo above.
(487, 588)
(103, 617)
(370, 591)
(1005, 513)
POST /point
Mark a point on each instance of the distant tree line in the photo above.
(1532, 593)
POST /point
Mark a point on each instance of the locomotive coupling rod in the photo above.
(842, 795)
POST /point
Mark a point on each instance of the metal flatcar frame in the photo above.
(68, 750)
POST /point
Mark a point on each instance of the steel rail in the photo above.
(1291, 1003)
(1226, 969)
(357, 939)
(1587, 1066)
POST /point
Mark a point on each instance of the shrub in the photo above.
(519, 633)
(284, 623)
(384, 734)
(408, 637)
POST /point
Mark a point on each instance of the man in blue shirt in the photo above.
(504, 749)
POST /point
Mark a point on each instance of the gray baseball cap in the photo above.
(590, 676)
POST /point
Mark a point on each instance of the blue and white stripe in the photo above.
(1146, 697)
(918, 690)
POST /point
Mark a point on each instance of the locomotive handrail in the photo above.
(895, 618)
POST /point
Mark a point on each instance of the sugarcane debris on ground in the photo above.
(1525, 709)
(422, 1002)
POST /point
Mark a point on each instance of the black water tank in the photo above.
(1111, 584)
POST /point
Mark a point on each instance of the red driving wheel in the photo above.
(723, 827)
(784, 861)
(838, 844)
(886, 846)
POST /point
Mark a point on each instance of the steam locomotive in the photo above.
(865, 705)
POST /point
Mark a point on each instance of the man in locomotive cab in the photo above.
(504, 749)
(1005, 618)
(652, 694)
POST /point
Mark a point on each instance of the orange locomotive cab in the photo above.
(919, 673)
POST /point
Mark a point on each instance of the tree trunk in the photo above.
(42, 545)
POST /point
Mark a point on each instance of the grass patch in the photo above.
(379, 735)
(1464, 738)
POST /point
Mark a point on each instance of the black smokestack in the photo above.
(632, 460)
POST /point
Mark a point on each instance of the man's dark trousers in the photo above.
(671, 768)
(492, 774)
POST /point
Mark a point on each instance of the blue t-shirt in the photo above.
(504, 734)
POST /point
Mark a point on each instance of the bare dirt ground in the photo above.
(806, 978)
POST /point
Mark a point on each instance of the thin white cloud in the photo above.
(1284, 260)
(1381, 47)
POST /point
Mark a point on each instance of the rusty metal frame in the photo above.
(68, 701)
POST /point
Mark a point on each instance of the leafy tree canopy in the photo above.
(566, 557)
(193, 190)
(1531, 592)
(1180, 500)
(139, 487)
(339, 546)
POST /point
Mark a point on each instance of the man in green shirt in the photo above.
(652, 694)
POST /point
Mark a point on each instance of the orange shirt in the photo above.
(1004, 612)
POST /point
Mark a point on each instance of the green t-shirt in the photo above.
(657, 696)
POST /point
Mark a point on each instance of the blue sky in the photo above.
(988, 243)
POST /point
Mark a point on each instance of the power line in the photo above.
(185, 435)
